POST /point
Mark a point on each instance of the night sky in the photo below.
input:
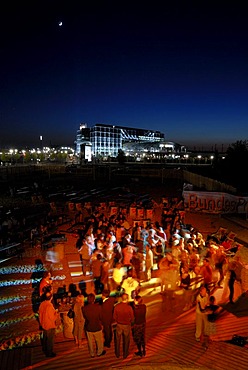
(180, 67)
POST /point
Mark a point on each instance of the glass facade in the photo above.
(106, 140)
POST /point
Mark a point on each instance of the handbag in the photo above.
(71, 313)
(238, 340)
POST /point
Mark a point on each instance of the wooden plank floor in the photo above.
(16, 359)
(170, 340)
(170, 334)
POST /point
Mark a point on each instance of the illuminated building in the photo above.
(83, 144)
(107, 140)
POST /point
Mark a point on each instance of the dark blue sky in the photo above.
(180, 67)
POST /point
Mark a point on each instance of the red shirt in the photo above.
(93, 317)
(123, 314)
(139, 314)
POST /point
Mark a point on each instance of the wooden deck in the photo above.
(170, 334)
(170, 343)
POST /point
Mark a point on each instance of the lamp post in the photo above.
(41, 146)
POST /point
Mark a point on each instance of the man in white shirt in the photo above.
(130, 286)
(117, 277)
(85, 255)
(201, 317)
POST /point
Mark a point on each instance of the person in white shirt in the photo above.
(202, 301)
(85, 255)
(117, 277)
(130, 286)
(149, 262)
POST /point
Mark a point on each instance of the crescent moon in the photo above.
(60, 24)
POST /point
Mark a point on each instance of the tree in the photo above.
(232, 168)
(237, 150)
(121, 157)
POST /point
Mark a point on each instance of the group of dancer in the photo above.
(119, 256)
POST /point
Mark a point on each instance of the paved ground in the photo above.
(170, 334)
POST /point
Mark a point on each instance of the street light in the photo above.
(41, 145)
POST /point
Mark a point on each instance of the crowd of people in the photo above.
(174, 252)
(120, 257)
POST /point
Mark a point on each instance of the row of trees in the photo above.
(30, 157)
(233, 168)
(230, 170)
